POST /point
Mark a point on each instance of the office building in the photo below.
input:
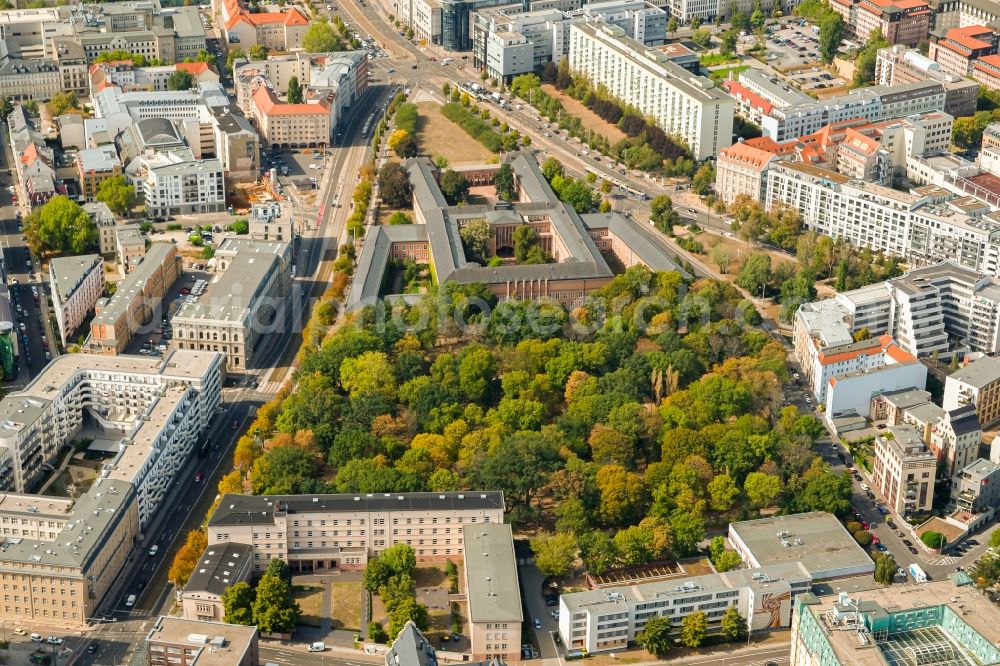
(330, 532)
(900, 21)
(138, 298)
(817, 541)
(221, 566)
(957, 49)
(683, 104)
(76, 283)
(939, 620)
(903, 471)
(577, 243)
(898, 65)
(741, 170)
(493, 592)
(270, 221)
(279, 29)
(174, 641)
(241, 306)
(978, 384)
(609, 618)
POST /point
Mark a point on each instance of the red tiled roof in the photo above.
(992, 60)
(883, 343)
(855, 140)
(290, 17)
(736, 89)
(772, 146)
(192, 68)
(966, 38)
(748, 155)
(269, 105)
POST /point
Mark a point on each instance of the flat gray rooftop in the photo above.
(491, 572)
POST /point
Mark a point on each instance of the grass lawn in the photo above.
(720, 75)
(590, 120)
(713, 59)
(310, 599)
(345, 606)
(436, 135)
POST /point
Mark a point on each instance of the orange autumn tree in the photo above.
(187, 557)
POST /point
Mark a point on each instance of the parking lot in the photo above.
(815, 80)
(792, 46)
(155, 338)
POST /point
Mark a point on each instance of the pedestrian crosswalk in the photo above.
(268, 388)
(944, 561)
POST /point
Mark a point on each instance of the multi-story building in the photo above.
(34, 161)
(76, 283)
(682, 104)
(956, 437)
(242, 305)
(284, 125)
(139, 295)
(279, 30)
(923, 226)
(237, 144)
(411, 647)
(221, 566)
(976, 487)
(508, 41)
(94, 166)
(271, 221)
(610, 618)
(130, 78)
(899, 65)
(177, 184)
(742, 170)
(69, 553)
(900, 21)
(174, 641)
(21, 80)
(978, 384)
(903, 471)
(104, 220)
(329, 532)
(493, 593)
(880, 625)
(130, 247)
(139, 400)
(957, 49)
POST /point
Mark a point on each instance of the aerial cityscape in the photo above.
(441, 331)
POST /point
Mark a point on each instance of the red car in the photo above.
(197, 477)
(185, 290)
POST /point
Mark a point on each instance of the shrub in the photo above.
(476, 127)
(934, 540)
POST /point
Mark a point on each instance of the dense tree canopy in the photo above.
(61, 226)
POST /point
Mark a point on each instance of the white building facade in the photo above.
(75, 284)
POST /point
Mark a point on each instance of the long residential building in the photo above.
(978, 384)
(242, 305)
(316, 533)
(898, 65)
(76, 283)
(926, 225)
(682, 104)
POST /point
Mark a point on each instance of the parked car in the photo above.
(864, 486)
(20, 631)
(537, 623)
(92, 648)
(197, 477)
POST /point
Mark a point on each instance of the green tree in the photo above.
(933, 539)
(728, 41)
(368, 373)
(454, 186)
(405, 611)
(655, 636)
(672, 25)
(476, 237)
(723, 492)
(504, 183)
(6, 108)
(694, 627)
(238, 601)
(294, 90)
(274, 609)
(61, 226)
(995, 539)
(755, 273)
(733, 625)
(520, 466)
(554, 553)
(234, 54)
(831, 31)
(701, 36)
(864, 64)
(551, 168)
(662, 213)
(258, 52)
(703, 179)
(863, 537)
(118, 194)
(377, 633)
(885, 569)
(394, 186)
(321, 37)
(180, 80)
(761, 489)
(62, 102)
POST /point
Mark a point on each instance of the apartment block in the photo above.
(130, 247)
(176, 183)
(241, 306)
(878, 626)
(900, 21)
(977, 384)
(508, 41)
(76, 283)
(94, 166)
(22, 80)
(330, 532)
(281, 30)
(285, 125)
(221, 566)
(175, 641)
(741, 170)
(139, 296)
(903, 471)
(976, 487)
(682, 104)
(106, 224)
(493, 592)
(897, 65)
(957, 49)
(607, 619)
(956, 437)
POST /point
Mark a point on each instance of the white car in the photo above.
(864, 487)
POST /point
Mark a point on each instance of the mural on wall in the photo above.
(770, 604)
